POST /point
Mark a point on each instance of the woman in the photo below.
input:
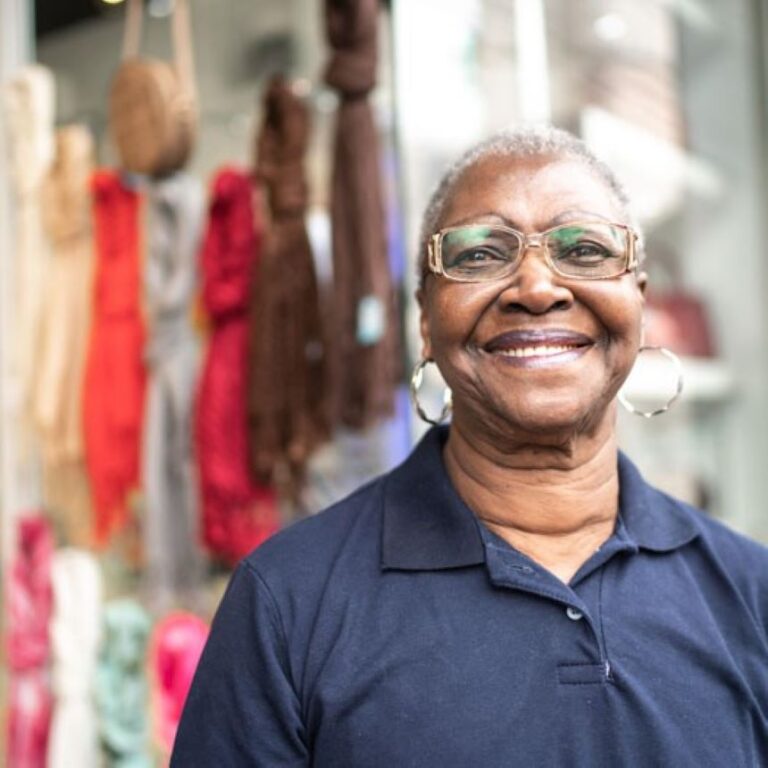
(514, 593)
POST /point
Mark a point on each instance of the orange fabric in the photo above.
(115, 375)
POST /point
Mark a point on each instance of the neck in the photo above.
(557, 504)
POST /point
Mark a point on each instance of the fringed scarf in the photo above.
(364, 356)
(175, 648)
(114, 376)
(286, 396)
(237, 513)
(175, 216)
(29, 112)
(63, 333)
(30, 602)
(75, 636)
(121, 691)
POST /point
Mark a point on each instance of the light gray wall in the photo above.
(724, 257)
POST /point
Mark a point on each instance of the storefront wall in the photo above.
(489, 65)
(669, 93)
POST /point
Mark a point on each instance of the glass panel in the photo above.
(669, 94)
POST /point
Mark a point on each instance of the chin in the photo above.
(552, 416)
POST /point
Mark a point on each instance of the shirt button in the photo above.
(574, 614)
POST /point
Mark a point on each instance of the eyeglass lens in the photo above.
(487, 252)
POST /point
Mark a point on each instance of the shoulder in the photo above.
(737, 559)
(659, 522)
(303, 552)
(738, 551)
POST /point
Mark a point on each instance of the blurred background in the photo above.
(673, 94)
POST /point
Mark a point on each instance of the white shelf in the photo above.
(706, 381)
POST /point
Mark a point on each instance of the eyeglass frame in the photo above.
(534, 240)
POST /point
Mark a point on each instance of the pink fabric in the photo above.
(30, 604)
(177, 643)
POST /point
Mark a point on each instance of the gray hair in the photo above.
(525, 142)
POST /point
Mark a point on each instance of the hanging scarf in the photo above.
(238, 514)
(75, 635)
(28, 112)
(29, 611)
(30, 103)
(286, 406)
(364, 358)
(63, 332)
(121, 689)
(174, 562)
(114, 376)
(175, 647)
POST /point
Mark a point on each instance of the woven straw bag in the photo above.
(152, 103)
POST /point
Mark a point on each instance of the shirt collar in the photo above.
(426, 526)
(651, 519)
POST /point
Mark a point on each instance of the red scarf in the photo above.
(114, 375)
(238, 514)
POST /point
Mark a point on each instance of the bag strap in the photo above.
(134, 18)
(181, 36)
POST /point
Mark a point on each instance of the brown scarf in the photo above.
(286, 406)
(364, 358)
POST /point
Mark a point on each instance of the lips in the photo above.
(525, 347)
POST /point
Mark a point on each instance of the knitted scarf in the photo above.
(29, 612)
(29, 101)
(286, 400)
(28, 113)
(114, 375)
(75, 635)
(121, 689)
(175, 647)
(237, 513)
(364, 356)
(63, 333)
(175, 215)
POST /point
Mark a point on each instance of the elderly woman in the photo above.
(514, 594)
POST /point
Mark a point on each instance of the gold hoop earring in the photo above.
(678, 386)
(417, 379)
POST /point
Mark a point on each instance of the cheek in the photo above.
(620, 312)
(452, 314)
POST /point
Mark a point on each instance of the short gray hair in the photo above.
(525, 142)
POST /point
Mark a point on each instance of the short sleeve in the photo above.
(242, 709)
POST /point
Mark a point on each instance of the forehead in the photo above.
(529, 193)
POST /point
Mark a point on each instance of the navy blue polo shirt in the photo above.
(394, 630)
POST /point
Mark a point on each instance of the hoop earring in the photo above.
(678, 387)
(417, 379)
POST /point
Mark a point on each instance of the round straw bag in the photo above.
(152, 103)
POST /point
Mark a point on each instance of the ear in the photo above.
(426, 344)
(642, 282)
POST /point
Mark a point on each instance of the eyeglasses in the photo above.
(581, 250)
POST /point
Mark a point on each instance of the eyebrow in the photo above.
(561, 218)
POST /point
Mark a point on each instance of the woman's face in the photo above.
(500, 345)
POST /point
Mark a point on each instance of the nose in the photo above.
(533, 287)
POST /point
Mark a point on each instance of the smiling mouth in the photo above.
(538, 351)
(538, 347)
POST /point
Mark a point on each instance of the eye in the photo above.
(477, 257)
(585, 252)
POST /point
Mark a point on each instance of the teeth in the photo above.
(535, 351)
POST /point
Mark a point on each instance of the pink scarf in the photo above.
(30, 603)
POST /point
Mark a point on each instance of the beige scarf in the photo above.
(28, 107)
(29, 101)
(63, 332)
